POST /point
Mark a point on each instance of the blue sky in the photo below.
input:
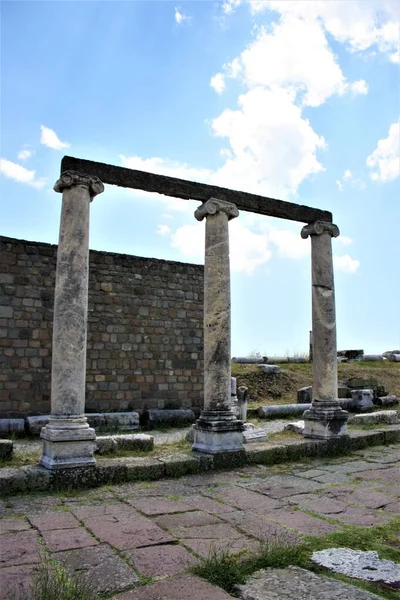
(293, 100)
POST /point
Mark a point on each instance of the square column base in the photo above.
(67, 448)
(325, 422)
(213, 436)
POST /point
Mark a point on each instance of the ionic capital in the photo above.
(319, 227)
(71, 178)
(213, 206)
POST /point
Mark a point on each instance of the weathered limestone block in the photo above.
(248, 360)
(6, 449)
(278, 411)
(296, 426)
(304, 395)
(7, 426)
(119, 421)
(182, 417)
(388, 417)
(242, 399)
(139, 442)
(387, 400)
(372, 357)
(254, 435)
(363, 400)
(270, 369)
(365, 565)
(395, 357)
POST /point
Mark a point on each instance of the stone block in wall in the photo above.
(9, 426)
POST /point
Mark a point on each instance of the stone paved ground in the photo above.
(120, 537)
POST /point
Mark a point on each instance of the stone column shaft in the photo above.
(218, 429)
(325, 418)
(68, 439)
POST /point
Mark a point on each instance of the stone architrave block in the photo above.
(8, 426)
(387, 400)
(270, 369)
(254, 436)
(6, 449)
(304, 395)
(388, 417)
(363, 400)
(296, 426)
(248, 360)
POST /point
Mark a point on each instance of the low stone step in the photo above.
(118, 421)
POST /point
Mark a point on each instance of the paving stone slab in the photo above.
(353, 466)
(100, 567)
(319, 504)
(364, 517)
(302, 522)
(370, 499)
(205, 548)
(176, 588)
(68, 539)
(310, 473)
(246, 499)
(221, 530)
(16, 582)
(159, 506)
(187, 519)
(161, 561)
(299, 584)
(209, 505)
(262, 529)
(334, 478)
(287, 485)
(128, 533)
(53, 520)
(21, 547)
(9, 525)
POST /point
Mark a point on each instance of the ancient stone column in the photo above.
(217, 430)
(68, 441)
(325, 419)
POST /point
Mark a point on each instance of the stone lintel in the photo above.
(215, 205)
(70, 178)
(318, 227)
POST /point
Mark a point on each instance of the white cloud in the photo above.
(50, 139)
(385, 159)
(24, 154)
(345, 263)
(289, 243)
(343, 239)
(351, 180)
(359, 87)
(217, 82)
(163, 230)
(362, 25)
(21, 174)
(273, 149)
(180, 17)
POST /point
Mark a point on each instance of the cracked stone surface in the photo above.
(360, 564)
(116, 535)
(295, 583)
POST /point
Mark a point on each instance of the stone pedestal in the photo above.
(68, 441)
(325, 419)
(217, 430)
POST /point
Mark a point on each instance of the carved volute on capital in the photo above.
(213, 206)
(319, 227)
(71, 178)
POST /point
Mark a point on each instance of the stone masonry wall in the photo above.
(145, 331)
